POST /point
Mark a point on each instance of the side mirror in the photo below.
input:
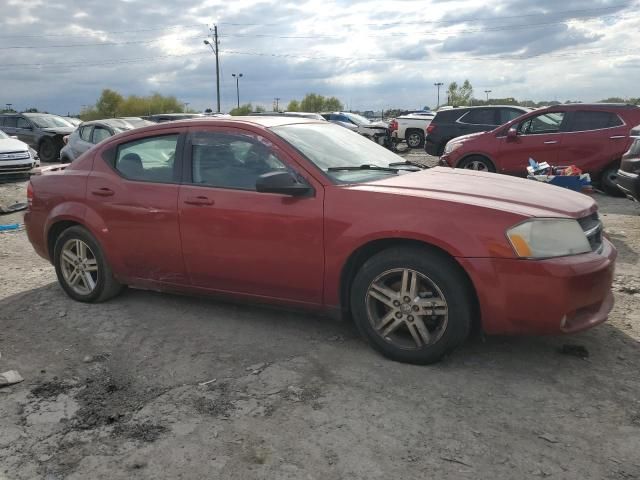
(512, 133)
(281, 182)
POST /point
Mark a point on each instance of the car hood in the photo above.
(12, 145)
(376, 125)
(519, 196)
(468, 136)
(59, 130)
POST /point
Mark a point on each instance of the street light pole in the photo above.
(237, 77)
(184, 108)
(438, 85)
(487, 92)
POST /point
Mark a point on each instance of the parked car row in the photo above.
(16, 157)
(300, 212)
(41, 131)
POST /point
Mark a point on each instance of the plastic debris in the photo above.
(10, 377)
(9, 226)
(16, 207)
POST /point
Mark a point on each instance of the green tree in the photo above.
(332, 104)
(245, 109)
(312, 103)
(260, 109)
(109, 103)
(460, 95)
(31, 110)
(294, 106)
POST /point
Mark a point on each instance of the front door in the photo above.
(238, 240)
(133, 191)
(539, 138)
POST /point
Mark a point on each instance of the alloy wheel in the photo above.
(477, 165)
(407, 309)
(79, 266)
(413, 140)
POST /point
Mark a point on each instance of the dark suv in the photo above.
(628, 177)
(454, 122)
(41, 131)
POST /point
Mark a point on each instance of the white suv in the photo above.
(16, 156)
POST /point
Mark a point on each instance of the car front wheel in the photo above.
(477, 163)
(47, 150)
(413, 305)
(81, 267)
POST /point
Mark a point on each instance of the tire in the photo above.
(394, 326)
(477, 163)
(414, 138)
(105, 286)
(607, 181)
(47, 150)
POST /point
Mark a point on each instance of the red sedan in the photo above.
(308, 214)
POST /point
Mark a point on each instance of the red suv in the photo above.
(305, 213)
(591, 136)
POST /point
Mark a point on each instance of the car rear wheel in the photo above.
(608, 181)
(415, 138)
(412, 304)
(47, 150)
(478, 163)
(82, 270)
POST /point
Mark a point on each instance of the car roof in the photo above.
(112, 122)
(263, 120)
(595, 106)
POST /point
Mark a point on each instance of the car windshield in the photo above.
(3, 135)
(50, 121)
(357, 119)
(330, 147)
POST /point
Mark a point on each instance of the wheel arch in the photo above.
(359, 256)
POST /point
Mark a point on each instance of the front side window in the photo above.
(85, 133)
(481, 116)
(100, 133)
(230, 160)
(541, 124)
(22, 123)
(149, 159)
(585, 120)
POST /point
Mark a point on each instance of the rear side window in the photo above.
(85, 133)
(480, 116)
(585, 120)
(508, 114)
(100, 133)
(149, 159)
(448, 116)
(11, 122)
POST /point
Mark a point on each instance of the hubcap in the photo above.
(407, 309)
(79, 266)
(414, 140)
(476, 165)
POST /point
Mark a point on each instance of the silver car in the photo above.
(90, 133)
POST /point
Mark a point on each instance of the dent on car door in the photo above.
(132, 192)
(236, 239)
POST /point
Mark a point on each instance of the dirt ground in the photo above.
(153, 385)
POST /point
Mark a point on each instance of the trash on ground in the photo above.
(16, 207)
(574, 350)
(10, 377)
(570, 177)
(202, 384)
(549, 438)
(9, 226)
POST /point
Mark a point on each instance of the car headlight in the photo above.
(451, 146)
(548, 237)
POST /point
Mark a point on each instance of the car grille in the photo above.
(592, 227)
(14, 155)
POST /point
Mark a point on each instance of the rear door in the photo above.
(594, 139)
(82, 142)
(9, 125)
(133, 190)
(238, 240)
(539, 137)
(25, 131)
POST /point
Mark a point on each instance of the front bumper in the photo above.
(444, 161)
(543, 297)
(17, 166)
(629, 183)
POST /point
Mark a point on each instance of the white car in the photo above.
(16, 156)
(411, 128)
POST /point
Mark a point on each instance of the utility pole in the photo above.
(487, 92)
(277, 100)
(438, 85)
(184, 108)
(237, 77)
(215, 47)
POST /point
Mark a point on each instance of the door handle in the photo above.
(615, 137)
(199, 200)
(103, 192)
(551, 142)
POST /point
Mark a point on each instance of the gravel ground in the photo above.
(154, 385)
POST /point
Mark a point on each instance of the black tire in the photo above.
(64, 159)
(607, 181)
(414, 138)
(442, 272)
(106, 286)
(47, 150)
(477, 163)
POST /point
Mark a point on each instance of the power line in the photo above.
(131, 42)
(103, 32)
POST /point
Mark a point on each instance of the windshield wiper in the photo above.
(408, 163)
(366, 166)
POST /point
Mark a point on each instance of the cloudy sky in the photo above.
(59, 55)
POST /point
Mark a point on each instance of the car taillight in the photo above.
(65, 139)
(431, 128)
(29, 194)
(393, 126)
